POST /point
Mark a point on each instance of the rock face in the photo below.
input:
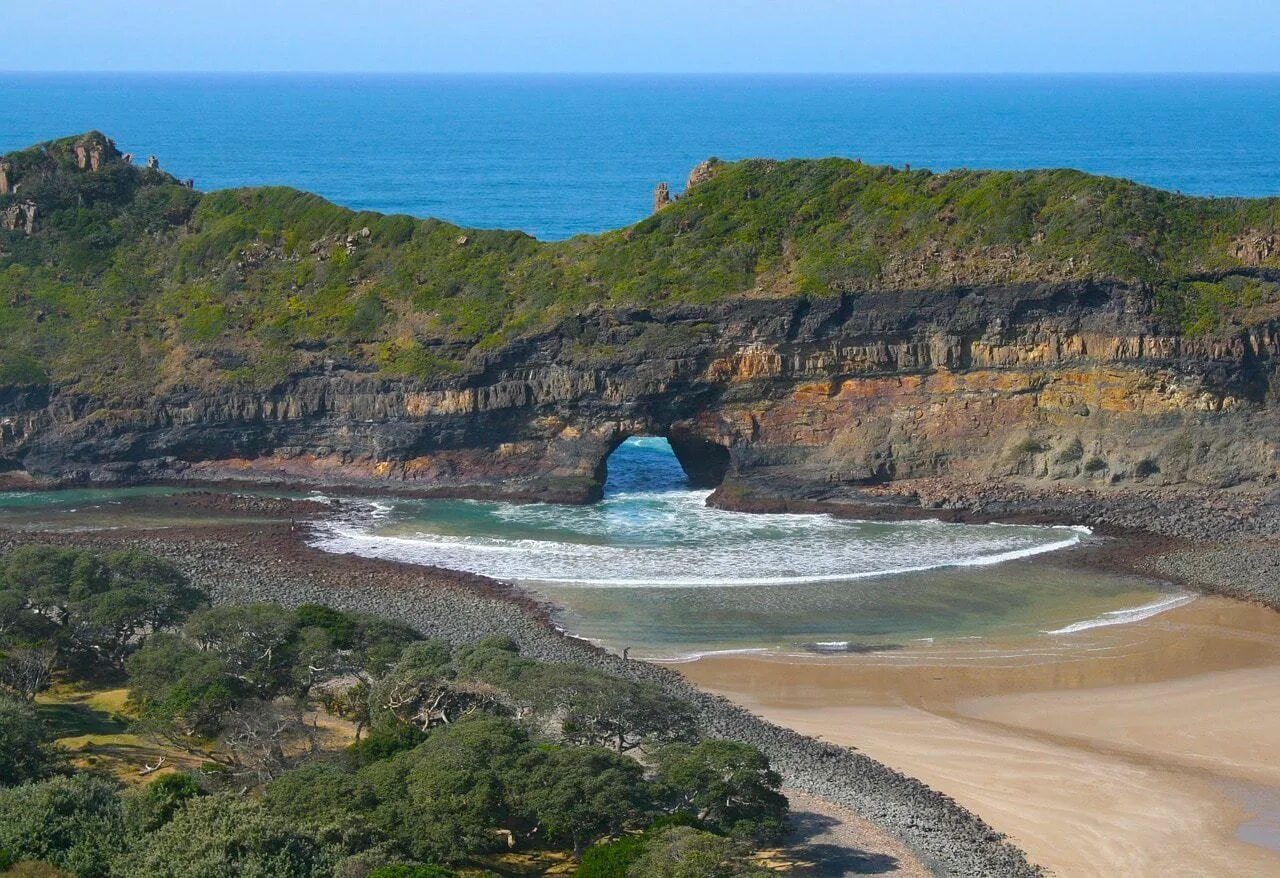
(702, 172)
(1071, 383)
(661, 197)
(20, 216)
(6, 178)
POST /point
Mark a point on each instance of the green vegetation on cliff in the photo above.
(131, 279)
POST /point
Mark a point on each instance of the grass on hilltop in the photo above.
(134, 281)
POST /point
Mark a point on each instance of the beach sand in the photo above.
(1139, 749)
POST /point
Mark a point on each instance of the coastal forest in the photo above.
(144, 731)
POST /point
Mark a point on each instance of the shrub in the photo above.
(401, 871)
(612, 859)
(1028, 446)
(227, 836)
(24, 753)
(76, 823)
(683, 852)
(1072, 452)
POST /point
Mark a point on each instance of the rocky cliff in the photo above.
(982, 355)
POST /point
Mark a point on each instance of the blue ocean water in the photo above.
(560, 155)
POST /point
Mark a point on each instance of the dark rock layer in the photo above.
(1058, 383)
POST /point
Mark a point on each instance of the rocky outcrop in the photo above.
(6, 178)
(701, 173)
(20, 216)
(661, 197)
(1074, 383)
(1255, 248)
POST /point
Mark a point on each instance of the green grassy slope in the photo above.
(133, 281)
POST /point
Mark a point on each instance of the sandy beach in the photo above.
(1139, 749)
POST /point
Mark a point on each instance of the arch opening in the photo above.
(652, 462)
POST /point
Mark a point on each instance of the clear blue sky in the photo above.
(860, 36)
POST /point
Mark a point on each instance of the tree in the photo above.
(26, 671)
(454, 795)
(578, 794)
(262, 739)
(422, 689)
(75, 823)
(601, 710)
(183, 695)
(94, 608)
(729, 786)
(685, 852)
(228, 836)
(24, 754)
(255, 640)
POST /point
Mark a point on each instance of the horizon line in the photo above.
(637, 73)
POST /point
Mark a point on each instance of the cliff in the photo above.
(797, 329)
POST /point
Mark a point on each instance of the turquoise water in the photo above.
(654, 568)
(560, 155)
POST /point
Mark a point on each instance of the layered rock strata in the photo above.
(1059, 383)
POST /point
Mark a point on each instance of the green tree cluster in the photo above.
(470, 752)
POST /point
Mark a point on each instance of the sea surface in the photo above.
(557, 156)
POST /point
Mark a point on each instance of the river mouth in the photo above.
(652, 568)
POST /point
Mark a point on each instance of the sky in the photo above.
(642, 36)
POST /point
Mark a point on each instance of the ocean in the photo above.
(558, 156)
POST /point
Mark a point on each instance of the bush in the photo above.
(413, 872)
(157, 803)
(1072, 452)
(227, 836)
(24, 754)
(683, 852)
(612, 859)
(76, 823)
(1028, 446)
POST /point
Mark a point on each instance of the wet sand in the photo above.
(1139, 749)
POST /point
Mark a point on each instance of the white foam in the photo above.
(1127, 616)
(685, 658)
(555, 562)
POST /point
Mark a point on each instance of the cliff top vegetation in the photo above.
(126, 279)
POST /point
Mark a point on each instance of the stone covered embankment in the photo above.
(238, 565)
